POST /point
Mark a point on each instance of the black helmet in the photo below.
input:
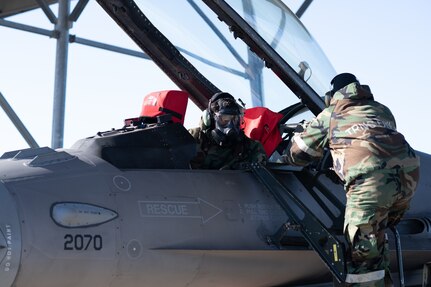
(224, 117)
(224, 103)
(342, 80)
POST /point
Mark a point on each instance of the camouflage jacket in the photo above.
(212, 156)
(360, 133)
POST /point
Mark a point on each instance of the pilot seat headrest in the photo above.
(166, 102)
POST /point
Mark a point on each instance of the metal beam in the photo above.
(303, 8)
(256, 65)
(27, 28)
(112, 48)
(164, 54)
(17, 122)
(48, 12)
(63, 24)
(213, 64)
(62, 27)
(222, 38)
(272, 59)
(78, 10)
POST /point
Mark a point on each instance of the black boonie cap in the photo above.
(342, 80)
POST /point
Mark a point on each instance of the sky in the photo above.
(385, 43)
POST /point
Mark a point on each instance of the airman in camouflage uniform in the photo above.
(221, 142)
(379, 169)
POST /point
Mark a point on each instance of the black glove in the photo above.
(302, 125)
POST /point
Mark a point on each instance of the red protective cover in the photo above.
(261, 124)
(166, 102)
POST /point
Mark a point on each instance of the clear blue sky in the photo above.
(385, 43)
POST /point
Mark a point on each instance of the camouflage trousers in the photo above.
(375, 201)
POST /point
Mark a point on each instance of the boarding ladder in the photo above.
(330, 248)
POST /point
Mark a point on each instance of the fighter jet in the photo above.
(123, 208)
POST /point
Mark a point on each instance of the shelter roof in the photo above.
(12, 7)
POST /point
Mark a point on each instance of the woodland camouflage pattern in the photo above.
(379, 169)
(210, 155)
(361, 134)
(374, 202)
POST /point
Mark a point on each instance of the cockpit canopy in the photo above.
(228, 62)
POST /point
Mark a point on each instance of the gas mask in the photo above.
(227, 129)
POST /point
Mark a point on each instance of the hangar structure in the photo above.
(62, 22)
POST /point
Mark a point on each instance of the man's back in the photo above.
(363, 135)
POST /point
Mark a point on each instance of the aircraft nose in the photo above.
(10, 238)
(3, 247)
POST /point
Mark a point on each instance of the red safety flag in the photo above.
(262, 124)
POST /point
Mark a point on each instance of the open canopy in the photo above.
(276, 62)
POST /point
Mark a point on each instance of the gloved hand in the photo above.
(302, 125)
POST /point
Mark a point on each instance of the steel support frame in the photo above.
(62, 27)
(17, 122)
(63, 24)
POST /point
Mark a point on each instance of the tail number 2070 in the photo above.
(83, 242)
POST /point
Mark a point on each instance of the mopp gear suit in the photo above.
(379, 169)
(221, 142)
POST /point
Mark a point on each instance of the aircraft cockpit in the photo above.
(123, 208)
(203, 55)
(213, 48)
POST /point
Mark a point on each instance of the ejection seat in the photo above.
(168, 102)
(156, 139)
